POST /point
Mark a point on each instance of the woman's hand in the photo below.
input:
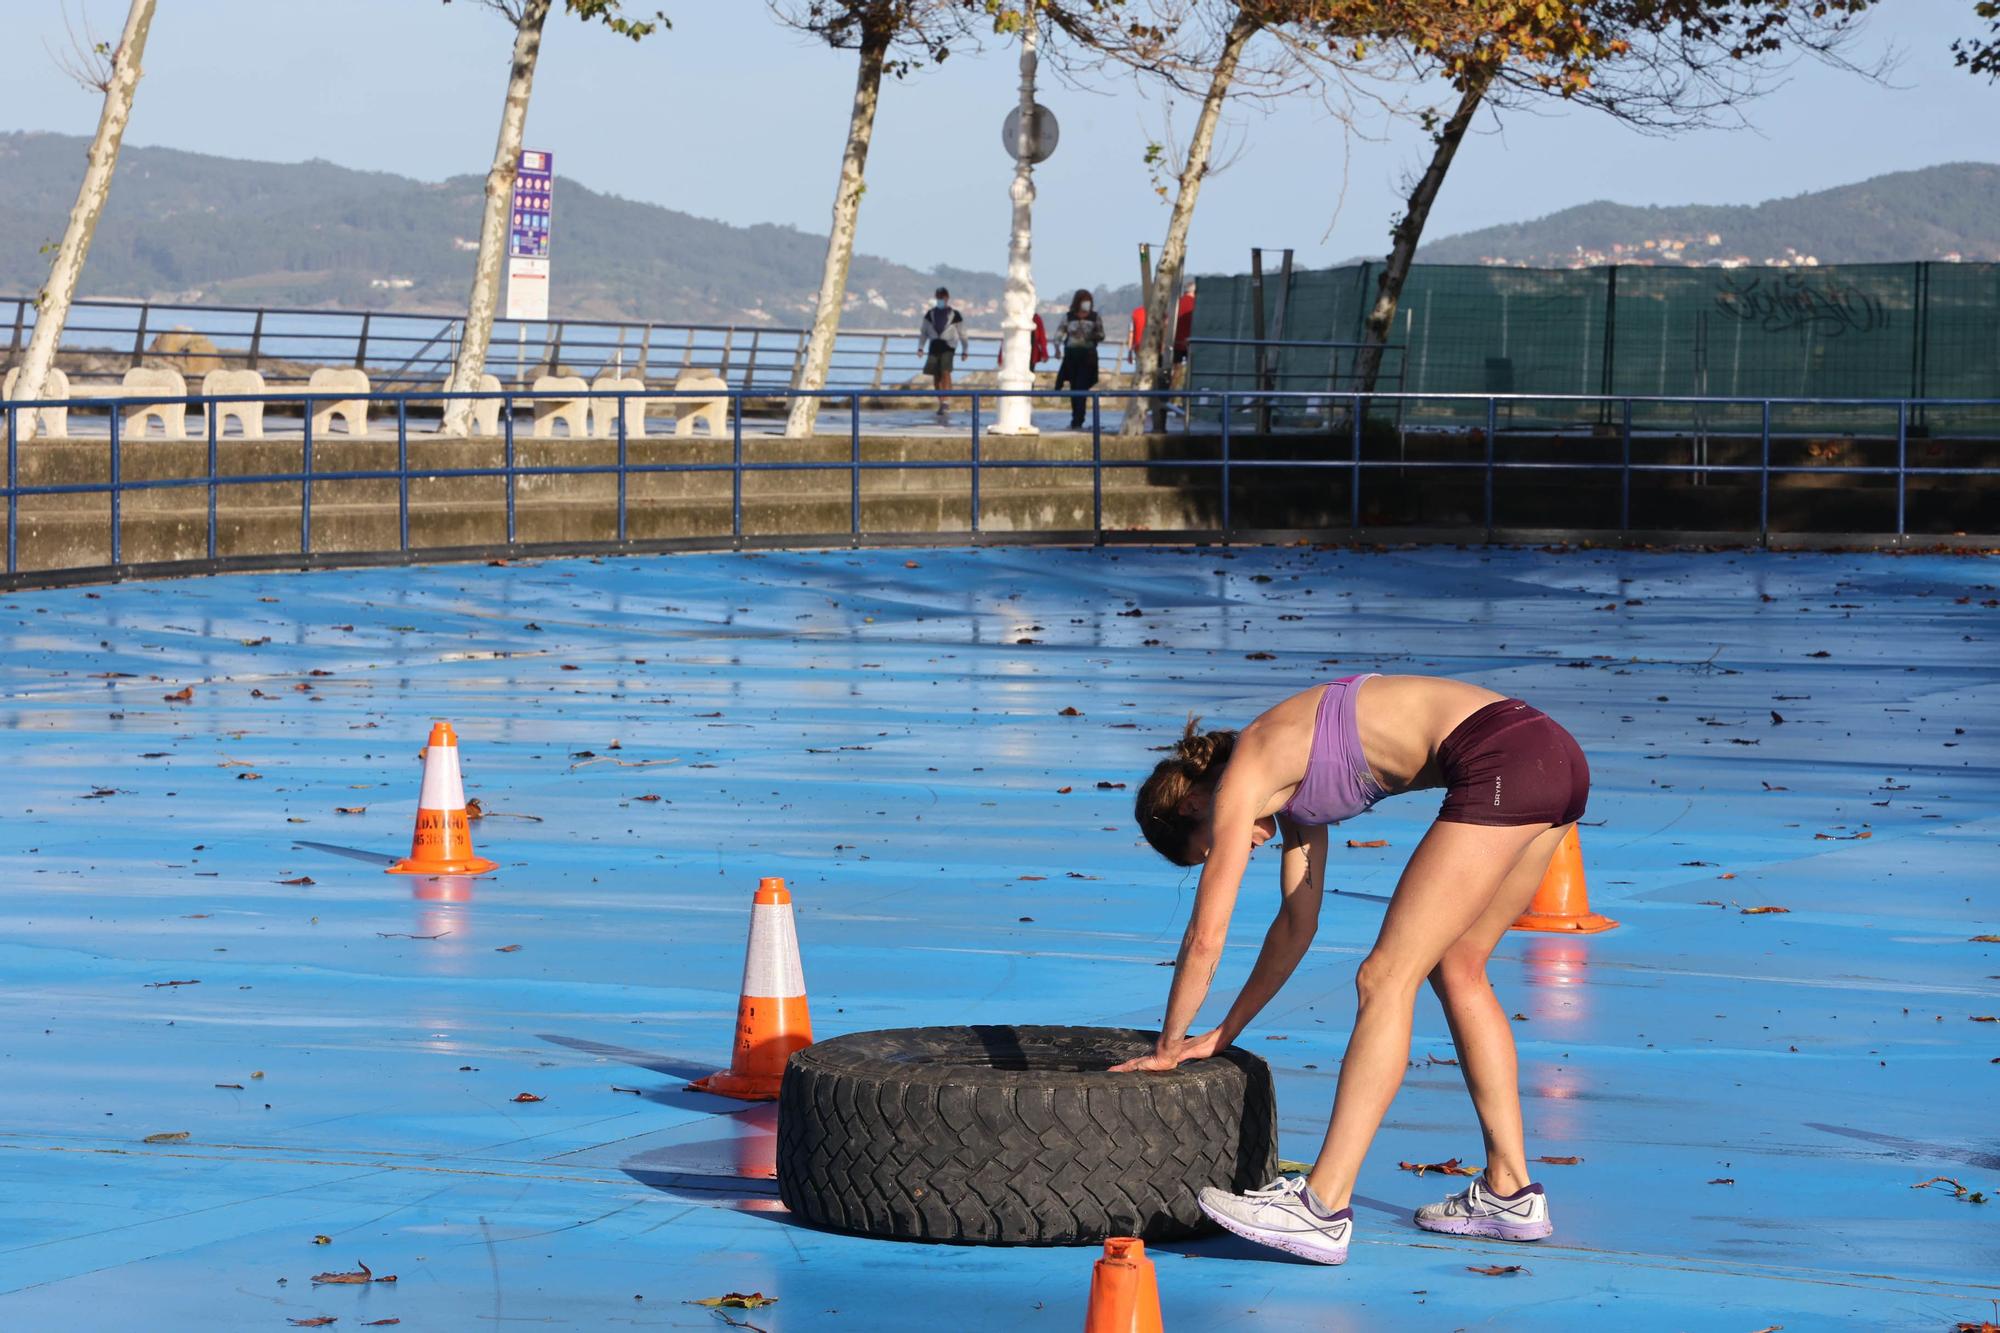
(1164, 1058)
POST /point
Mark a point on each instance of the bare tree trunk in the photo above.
(840, 241)
(1016, 415)
(52, 309)
(1409, 230)
(471, 362)
(1148, 372)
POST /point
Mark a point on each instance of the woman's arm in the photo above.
(1301, 880)
(1234, 812)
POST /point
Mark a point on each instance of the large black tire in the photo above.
(1016, 1135)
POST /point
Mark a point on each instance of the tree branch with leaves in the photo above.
(528, 18)
(892, 37)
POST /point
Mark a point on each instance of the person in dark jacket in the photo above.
(1081, 330)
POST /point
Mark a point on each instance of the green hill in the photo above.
(192, 227)
(1942, 212)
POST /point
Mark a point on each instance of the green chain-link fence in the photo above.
(1874, 331)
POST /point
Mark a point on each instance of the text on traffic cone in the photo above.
(1562, 903)
(772, 1020)
(1124, 1293)
(442, 843)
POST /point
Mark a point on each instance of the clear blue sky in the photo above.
(733, 116)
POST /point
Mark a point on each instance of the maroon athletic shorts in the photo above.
(1511, 763)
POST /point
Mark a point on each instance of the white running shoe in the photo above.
(1477, 1211)
(1285, 1216)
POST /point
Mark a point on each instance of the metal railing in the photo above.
(1342, 457)
(402, 350)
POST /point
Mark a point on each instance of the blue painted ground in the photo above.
(1753, 1096)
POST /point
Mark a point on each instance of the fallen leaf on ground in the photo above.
(1438, 1060)
(634, 1091)
(1958, 1191)
(1723, 1180)
(318, 1321)
(378, 1323)
(364, 1276)
(1451, 1166)
(301, 880)
(1372, 842)
(177, 1136)
(1034, 877)
(1494, 1270)
(322, 1240)
(1111, 786)
(350, 809)
(737, 1300)
(526, 1097)
(185, 694)
(235, 1086)
(155, 985)
(1064, 791)
(1561, 1161)
(1984, 939)
(1984, 1018)
(1260, 657)
(1761, 911)
(1070, 712)
(508, 948)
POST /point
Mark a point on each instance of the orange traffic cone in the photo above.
(771, 1016)
(1124, 1293)
(442, 843)
(1562, 903)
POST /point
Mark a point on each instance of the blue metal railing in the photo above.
(1228, 461)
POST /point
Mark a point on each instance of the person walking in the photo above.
(942, 338)
(1081, 330)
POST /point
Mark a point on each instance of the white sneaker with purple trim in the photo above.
(1285, 1216)
(1477, 1211)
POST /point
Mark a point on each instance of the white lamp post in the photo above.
(1030, 135)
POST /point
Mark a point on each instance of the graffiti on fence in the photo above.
(1788, 300)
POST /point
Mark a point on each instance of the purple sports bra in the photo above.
(1337, 784)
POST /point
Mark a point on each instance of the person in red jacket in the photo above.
(1038, 347)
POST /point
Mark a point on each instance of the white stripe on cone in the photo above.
(771, 968)
(443, 788)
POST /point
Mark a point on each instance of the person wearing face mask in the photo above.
(942, 334)
(1081, 330)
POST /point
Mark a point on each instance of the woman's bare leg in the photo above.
(1480, 1028)
(1447, 888)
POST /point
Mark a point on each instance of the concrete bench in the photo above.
(53, 421)
(604, 411)
(143, 382)
(713, 411)
(249, 416)
(573, 412)
(351, 410)
(485, 411)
